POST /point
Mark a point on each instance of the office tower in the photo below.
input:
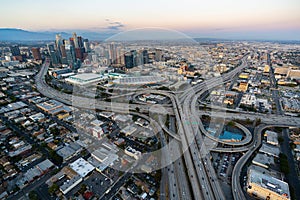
(122, 58)
(15, 51)
(112, 53)
(158, 55)
(63, 51)
(63, 55)
(54, 59)
(151, 56)
(86, 45)
(50, 47)
(58, 44)
(145, 57)
(53, 54)
(119, 54)
(139, 58)
(75, 40)
(79, 53)
(134, 57)
(80, 42)
(71, 42)
(128, 60)
(36, 53)
(70, 53)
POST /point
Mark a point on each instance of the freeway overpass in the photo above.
(201, 174)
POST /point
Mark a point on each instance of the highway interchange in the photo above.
(187, 135)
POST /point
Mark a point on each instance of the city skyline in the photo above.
(154, 107)
(215, 19)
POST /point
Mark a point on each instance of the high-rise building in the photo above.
(151, 56)
(71, 42)
(63, 55)
(139, 58)
(134, 58)
(15, 51)
(58, 43)
(63, 51)
(50, 47)
(36, 53)
(145, 57)
(128, 60)
(54, 58)
(112, 53)
(158, 55)
(53, 54)
(75, 40)
(70, 53)
(86, 45)
(79, 53)
(80, 42)
(58, 40)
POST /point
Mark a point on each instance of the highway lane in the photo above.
(168, 131)
(206, 173)
(265, 118)
(88, 103)
(237, 192)
(198, 174)
(167, 161)
(194, 181)
(182, 179)
(191, 100)
(85, 102)
(274, 91)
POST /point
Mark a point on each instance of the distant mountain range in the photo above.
(20, 35)
(14, 34)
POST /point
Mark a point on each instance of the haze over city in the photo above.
(149, 100)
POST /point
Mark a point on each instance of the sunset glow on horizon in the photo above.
(191, 16)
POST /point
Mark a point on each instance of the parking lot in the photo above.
(223, 164)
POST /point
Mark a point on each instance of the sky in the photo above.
(236, 19)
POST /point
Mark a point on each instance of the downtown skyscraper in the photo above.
(69, 52)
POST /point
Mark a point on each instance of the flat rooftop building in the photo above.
(54, 107)
(268, 172)
(67, 186)
(263, 160)
(85, 78)
(82, 167)
(266, 187)
(66, 152)
(142, 80)
(133, 152)
(272, 137)
(128, 130)
(102, 159)
(270, 150)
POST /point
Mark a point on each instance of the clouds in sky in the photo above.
(189, 16)
(114, 25)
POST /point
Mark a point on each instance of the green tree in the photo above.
(137, 109)
(258, 121)
(33, 195)
(280, 139)
(284, 165)
(53, 188)
(231, 123)
(55, 157)
(82, 188)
